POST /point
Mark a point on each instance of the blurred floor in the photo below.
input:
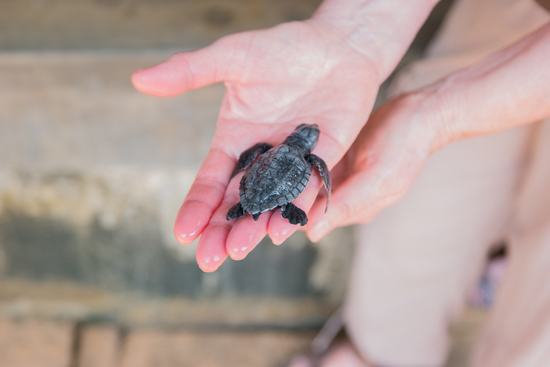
(60, 344)
(464, 335)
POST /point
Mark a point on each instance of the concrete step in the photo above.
(69, 109)
(131, 24)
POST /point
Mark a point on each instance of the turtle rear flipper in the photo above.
(294, 214)
(249, 155)
(324, 172)
(235, 212)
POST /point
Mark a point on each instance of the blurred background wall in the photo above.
(92, 174)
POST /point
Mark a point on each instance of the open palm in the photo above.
(276, 79)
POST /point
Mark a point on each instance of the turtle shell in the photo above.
(275, 179)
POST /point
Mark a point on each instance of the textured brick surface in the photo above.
(187, 349)
(49, 344)
(99, 347)
(35, 343)
(148, 348)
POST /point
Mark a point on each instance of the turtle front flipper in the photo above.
(294, 214)
(323, 171)
(249, 155)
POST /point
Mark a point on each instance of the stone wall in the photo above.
(92, 172)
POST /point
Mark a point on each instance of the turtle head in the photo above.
(304, 137)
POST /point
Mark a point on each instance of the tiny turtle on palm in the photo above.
(279, 175)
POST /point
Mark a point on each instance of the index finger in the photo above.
(204, 197)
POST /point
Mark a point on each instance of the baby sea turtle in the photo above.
(279, 175)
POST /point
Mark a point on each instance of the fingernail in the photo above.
(182, 239)
(237, 254)
(319, 231)
(185, 238)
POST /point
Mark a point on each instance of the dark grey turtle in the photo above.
(279, 175)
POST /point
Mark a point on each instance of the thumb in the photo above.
(190, 70)
(345, 209)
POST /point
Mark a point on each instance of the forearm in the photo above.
(508, 89)
(381, 29)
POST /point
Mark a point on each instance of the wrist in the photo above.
(382, 30)
(435, 119)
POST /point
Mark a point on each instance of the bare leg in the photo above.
(518, 331)
(416, 261)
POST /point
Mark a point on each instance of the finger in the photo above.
(348, 202)
(246, 234)
(280, 228)
(204, 197)
(211, 250)
(190, 70)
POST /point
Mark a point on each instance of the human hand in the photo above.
(276, 79)
(381, 165)
(509, 88)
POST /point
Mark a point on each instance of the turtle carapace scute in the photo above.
(279, 175)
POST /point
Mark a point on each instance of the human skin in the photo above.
(324, 70)
(508, 89)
